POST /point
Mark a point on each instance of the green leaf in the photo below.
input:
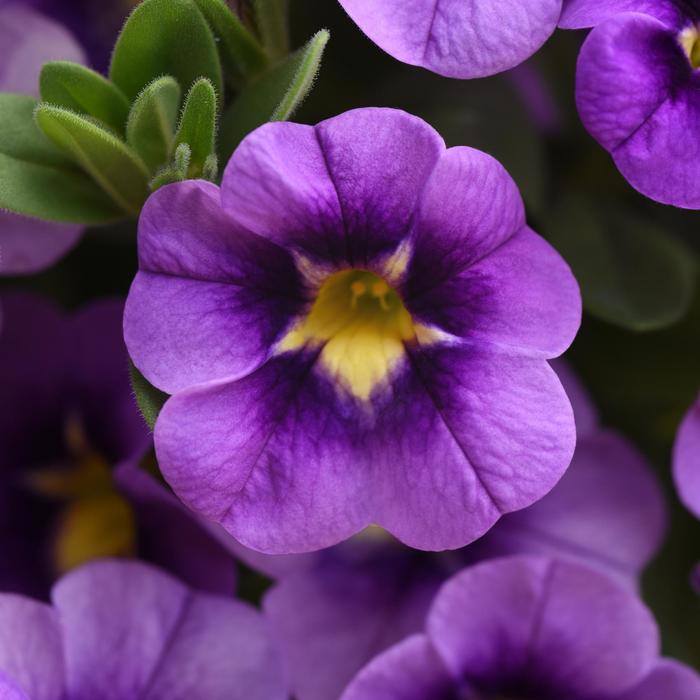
(80, 89)
(631, 273)
(272, 19)
(308, 66)
(39, 180)
(165, 37)
(198, 125)
(115, 168)
(262, 99)
(241, 53)
(151, 126)
(149, 399)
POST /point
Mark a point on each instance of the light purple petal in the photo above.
(172, 537)
(686, 460)
(29, 245)
(278, 469)
(521, 298)
(501, 434)
(668, 679)
(342, 191)
(585, 412)
(608, 512)
(409, 671)
(638, 97)
(9, 690)
(457, 38)
(568, 627)
(132, 631)
(330, 621)
(210, 298)
(580, 14)
(28, 39)
(30, 648)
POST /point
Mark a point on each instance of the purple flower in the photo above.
(124, 630)
(68, 418)
(638, 90)
(529, 627)
(27, 41)
(355, 328)
(686, 460)
(457, 38)
(332, 612)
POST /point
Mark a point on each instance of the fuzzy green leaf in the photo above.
(165, 37)
(198, 125)
(151, 126)
(272, 18)
(81, 90)
(110, 162)
(149, 399)
(276, 94)
(37, 179)
(241, 53)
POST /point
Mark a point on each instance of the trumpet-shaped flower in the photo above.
(355, 328)
(457, 38)
(125, 630)
(638, 90)
(529, 627)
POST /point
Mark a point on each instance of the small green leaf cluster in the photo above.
(93, 148)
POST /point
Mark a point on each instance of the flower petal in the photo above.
(580, 14)
(132, 631)
(608, 512)
(639, 98)
(668, 679)
(30, 245)
(553, 623)
(501, 434)
(522, 298)
(342, 191)
(457, 38)
(585, 412)
(210, 298)
(410, 670)
(30, 648)
(686, 460)
(279, 468)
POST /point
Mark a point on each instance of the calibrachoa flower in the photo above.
(335, 610)
(355, 328)
(68, 417)
(457, 38)
(529, 627)
(27, 41)
(125, 630)
(686, 460)
(638, 90)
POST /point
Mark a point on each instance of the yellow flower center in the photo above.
(361, 324)
(690, 41)
(95, 519)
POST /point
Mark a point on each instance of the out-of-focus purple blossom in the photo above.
(638, 90)
(68, 418)
(686, 460)
(529, 627)
(457, 38)
(359, 322)
(119, 630)
(341, 607)
(27, 41)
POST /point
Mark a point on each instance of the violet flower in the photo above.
(27, 41)
(686, 460)
(457, 38)
(68, 419)
(355, 328)
(529, 627)
(638, 90)
(125, 630)
(333, 611)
